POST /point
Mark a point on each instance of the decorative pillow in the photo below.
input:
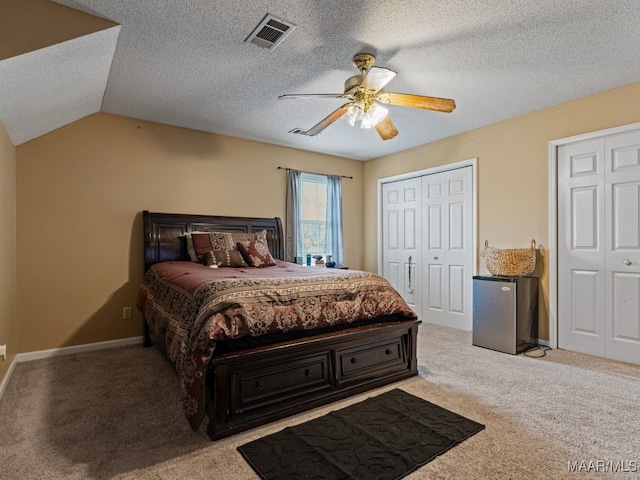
(256, 253)
(224, 258)
(205, 242)
(260, 235)
(244, 237)
(221, 241)
(190, 250)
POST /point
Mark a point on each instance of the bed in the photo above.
(242, 357)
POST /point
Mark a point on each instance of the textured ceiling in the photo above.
(187, 63)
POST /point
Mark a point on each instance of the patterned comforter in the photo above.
(190, 307)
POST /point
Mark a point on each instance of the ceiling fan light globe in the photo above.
(373, 116)
(354, 114)
(367, 121)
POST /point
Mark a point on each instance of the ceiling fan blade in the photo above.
(386, 129)
(332, 117)
(418, 101)
(312, 95)
(377, 78)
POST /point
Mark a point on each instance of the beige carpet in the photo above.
(116, 414)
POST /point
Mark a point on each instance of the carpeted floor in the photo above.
(116, 414)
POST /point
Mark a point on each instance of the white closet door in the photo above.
(581, 251)
(622, 241)
(599, 247)
(447, 226)
(401, 239)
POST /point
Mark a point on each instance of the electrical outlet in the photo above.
(126, 313)
(3, 352)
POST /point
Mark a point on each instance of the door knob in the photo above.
(627, 261)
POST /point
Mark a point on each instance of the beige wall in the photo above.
(81, 188)
(513, 178)
(80, 191)
(8, 327)
(27, 25)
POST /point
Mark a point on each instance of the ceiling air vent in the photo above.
(270, 32)
(298, 131)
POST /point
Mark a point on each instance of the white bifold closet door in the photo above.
(427, 235)
(401, 238)
(447, 226)
(599, 247)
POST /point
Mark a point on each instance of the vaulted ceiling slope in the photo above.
(188, 64)
(54, 66)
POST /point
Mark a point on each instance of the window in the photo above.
(313, 213)
(314, 216)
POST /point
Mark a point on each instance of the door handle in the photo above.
(409, 287)
(627, 261)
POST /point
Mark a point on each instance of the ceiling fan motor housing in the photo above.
(352, 83)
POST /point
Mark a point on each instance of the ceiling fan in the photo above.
(365, 95)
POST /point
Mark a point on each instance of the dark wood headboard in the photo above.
(164, 239)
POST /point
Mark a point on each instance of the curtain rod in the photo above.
(312, 173)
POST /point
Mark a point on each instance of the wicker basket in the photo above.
(510, 262)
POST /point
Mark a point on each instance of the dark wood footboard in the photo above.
(250, 388)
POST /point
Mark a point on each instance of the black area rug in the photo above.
(384, 438)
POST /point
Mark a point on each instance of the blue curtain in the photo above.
(334, 218)
(293, 221)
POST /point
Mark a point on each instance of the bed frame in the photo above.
(250, 387)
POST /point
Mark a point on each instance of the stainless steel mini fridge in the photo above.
(505, 313)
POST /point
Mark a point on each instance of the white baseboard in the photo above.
(87, 347)
(7, 376)
(543, 343)
(56, 352)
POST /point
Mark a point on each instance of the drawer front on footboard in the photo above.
(373, 359)
(281, 382)
(250, 388)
